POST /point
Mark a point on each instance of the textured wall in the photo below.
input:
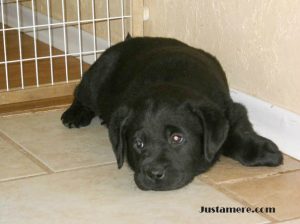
(256, 41)
(86, 13)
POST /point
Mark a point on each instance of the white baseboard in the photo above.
(278, 124)
(72, 34)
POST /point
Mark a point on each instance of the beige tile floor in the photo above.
(50, 174)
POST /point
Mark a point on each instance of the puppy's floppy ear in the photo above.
(117, 132)
(215, 127)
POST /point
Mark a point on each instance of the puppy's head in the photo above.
(167, 144)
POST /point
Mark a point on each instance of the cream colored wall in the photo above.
(86, 13)
(257, 41)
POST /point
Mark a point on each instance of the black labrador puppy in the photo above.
(168, 110)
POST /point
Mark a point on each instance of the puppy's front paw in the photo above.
(76, 117)
(263, 152)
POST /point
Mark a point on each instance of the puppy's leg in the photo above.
(77, 115)
(245, 145)
(92, 95)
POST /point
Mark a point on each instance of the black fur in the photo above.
(168, 110)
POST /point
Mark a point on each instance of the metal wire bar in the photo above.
(79, 37)
(50, 42)
(20, 46)
(40, 32)
(108, 23)
(4, 47)
(53, 56)
(94, 29)
(122, 15)
(35, 45)
(65, 39)
(61, 24)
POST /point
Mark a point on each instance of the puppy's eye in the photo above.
(176, 138)
(138, 143)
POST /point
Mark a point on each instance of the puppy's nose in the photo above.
(156, 173)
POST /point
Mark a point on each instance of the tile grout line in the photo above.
(57, 172)
(286, 220)
(217, 186)
(26, 152)
(235, 197)
(85, 167)
(23, 177)
(258, 177)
